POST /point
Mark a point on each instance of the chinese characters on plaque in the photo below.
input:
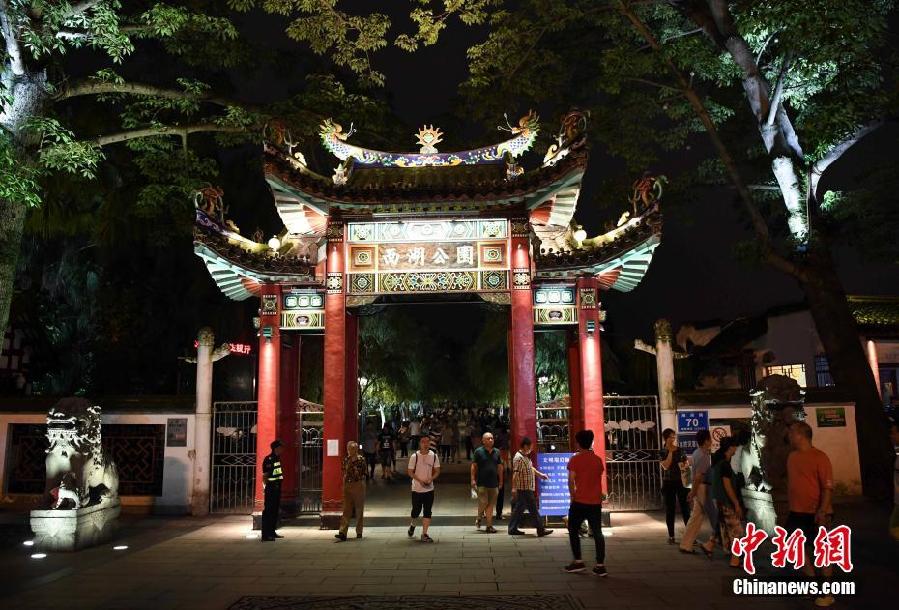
(453, 255)
(401, 257)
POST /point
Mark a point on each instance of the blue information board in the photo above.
(554, 498)
(688, 424)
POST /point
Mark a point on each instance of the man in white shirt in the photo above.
(701, 463)
(424, 468)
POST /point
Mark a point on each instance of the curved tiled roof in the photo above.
(238, 272)
(620, 264)
(478, 183)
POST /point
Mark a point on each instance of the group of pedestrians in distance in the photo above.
(488, 476)
(715, 494)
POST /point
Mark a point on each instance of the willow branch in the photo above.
(758, 221)
(652, 83)
(148, 132)
(778, 90)
(836, 152)
(702, 113)
(83, 88)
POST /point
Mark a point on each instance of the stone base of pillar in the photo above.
(200, 504)
(330, 520)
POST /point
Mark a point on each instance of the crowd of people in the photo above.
(491, 470)
(705, 485)
(708, 488)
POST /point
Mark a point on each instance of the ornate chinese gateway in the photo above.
(384, 226)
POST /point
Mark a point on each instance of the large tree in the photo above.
(782, 89)
(40, 91)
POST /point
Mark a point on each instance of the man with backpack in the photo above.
(423, 469)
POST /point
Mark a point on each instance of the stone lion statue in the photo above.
(79, 473)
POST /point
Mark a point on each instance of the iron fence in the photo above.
(233, 473)
(632, 452)
(309, 441)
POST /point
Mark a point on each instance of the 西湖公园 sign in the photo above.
(408, 256)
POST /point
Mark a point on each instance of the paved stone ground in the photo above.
(212, 563)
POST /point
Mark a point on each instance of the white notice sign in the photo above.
(333, 447)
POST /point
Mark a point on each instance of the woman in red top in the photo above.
(585, 470)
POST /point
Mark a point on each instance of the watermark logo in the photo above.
(831, 547)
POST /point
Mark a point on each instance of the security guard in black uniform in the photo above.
(272, 477)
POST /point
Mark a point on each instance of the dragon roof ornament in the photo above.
(572, 135)
(524, 134)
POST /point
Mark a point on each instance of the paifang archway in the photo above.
(409, 223)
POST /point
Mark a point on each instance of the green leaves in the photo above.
(60, 150)
(431, 23)
(18, 177)
(348, 39)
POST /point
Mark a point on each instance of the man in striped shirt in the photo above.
(523, 490)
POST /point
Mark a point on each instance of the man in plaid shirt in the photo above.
(523, 490)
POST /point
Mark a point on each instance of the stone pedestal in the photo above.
(71, 530)
(760, 509)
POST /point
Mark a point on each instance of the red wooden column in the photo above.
(590, 388)
(287, 418)
(351, 408)
(522, 382)
(335, 382)
(269, 380)
(576, 408)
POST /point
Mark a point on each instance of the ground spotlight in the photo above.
(38, 555)
(120, 547)
(28, 543)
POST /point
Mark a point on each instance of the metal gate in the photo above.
(233, 475)
(309, 433)
(632, 452)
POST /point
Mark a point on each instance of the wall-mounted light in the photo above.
(256, 322)
(591, 327)
(267, 332)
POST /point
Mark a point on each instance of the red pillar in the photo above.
(335, 381)
(590, 388)
(351, 408)
(576, 408)
(522, 382)
(269, 380)
(287, 418)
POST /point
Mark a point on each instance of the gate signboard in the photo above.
(554, 497)
(454, 255)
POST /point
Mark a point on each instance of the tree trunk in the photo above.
(27, 96)
(851, 372)
(12, 222)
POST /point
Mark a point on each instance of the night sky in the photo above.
(695, 274)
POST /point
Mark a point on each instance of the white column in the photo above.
(203, 425)
(665, 374)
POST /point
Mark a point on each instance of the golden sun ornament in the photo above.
(428, 136)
